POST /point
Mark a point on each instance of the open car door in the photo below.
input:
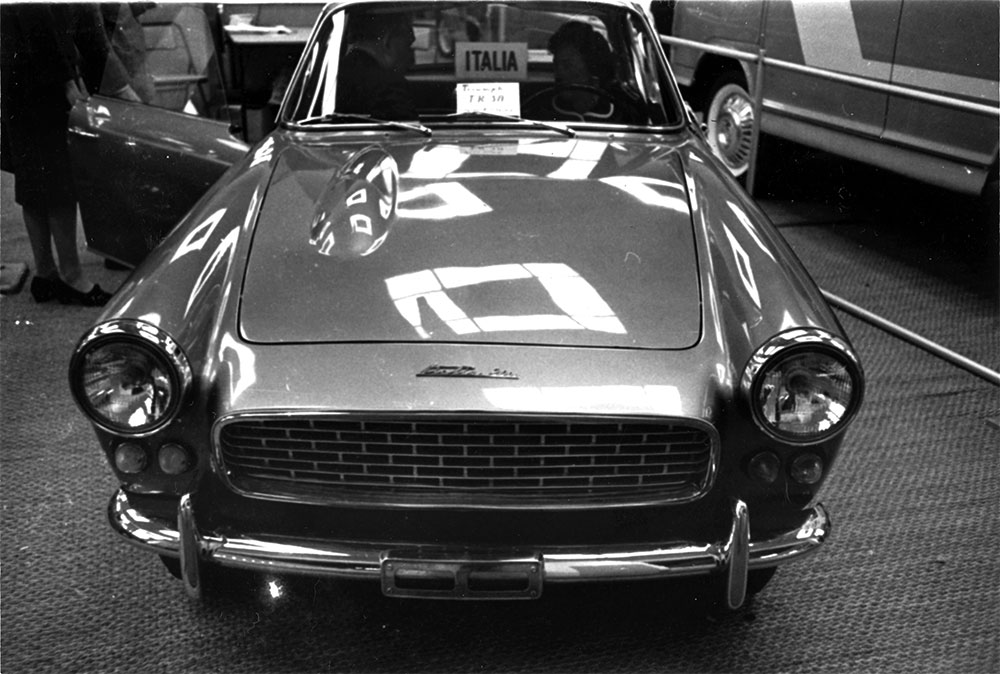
(139, 166)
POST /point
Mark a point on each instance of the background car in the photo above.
(476, 349)
(945, 49)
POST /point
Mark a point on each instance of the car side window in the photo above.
(170, 56)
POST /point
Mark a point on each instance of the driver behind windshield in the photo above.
(583, 68)
(371, 76)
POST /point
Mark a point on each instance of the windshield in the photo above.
(432, 63)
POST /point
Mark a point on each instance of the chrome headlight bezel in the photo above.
(144, 340)
(798, 343)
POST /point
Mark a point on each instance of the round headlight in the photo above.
(804, 386)
(129, 377)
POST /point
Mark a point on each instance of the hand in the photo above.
(76, 90)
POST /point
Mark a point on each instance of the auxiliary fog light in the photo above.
(130, 457)
(807, 468)
(765, 467)
(174, 459)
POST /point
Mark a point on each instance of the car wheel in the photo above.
(729, 121)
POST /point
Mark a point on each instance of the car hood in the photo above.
(569, 242)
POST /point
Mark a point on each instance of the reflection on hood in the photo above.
(560, 243)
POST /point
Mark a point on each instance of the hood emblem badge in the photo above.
(465, 371)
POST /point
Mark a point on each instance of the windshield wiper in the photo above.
(356, 117)
(554, 126)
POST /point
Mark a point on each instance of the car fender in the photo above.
(190, 276)
(754, 285)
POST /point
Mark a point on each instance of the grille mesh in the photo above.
(427, 458)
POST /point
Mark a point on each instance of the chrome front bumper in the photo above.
(733, 556)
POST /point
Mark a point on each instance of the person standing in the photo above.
(49, 52)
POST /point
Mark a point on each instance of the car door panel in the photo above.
(837, 35)
(138, 169)
(139, 165)
(951, 49)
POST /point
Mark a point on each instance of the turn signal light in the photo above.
(174, 459)
(807, 468)
(130, 457)
(765, 467)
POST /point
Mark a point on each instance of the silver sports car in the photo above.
(481, 313)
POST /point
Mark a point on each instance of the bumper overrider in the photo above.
(434, 572)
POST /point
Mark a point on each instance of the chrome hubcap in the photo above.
(730, 127)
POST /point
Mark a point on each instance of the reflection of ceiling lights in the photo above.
(652, 191)
(436, 163)
(583, 307)
(440, 201)
(741, 256)
(579, 159)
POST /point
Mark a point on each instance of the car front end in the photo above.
(472, 362)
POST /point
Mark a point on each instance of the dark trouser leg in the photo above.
(36, 221)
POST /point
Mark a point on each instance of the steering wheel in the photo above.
(620, 108)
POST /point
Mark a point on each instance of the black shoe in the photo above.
(95, 297)
(45, 289)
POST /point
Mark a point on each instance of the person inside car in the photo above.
(583, 70)
(371, 80)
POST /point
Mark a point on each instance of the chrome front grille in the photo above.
(467, 460)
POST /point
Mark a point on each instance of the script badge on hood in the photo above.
(465, 371)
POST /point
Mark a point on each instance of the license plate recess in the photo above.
(461, 576)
